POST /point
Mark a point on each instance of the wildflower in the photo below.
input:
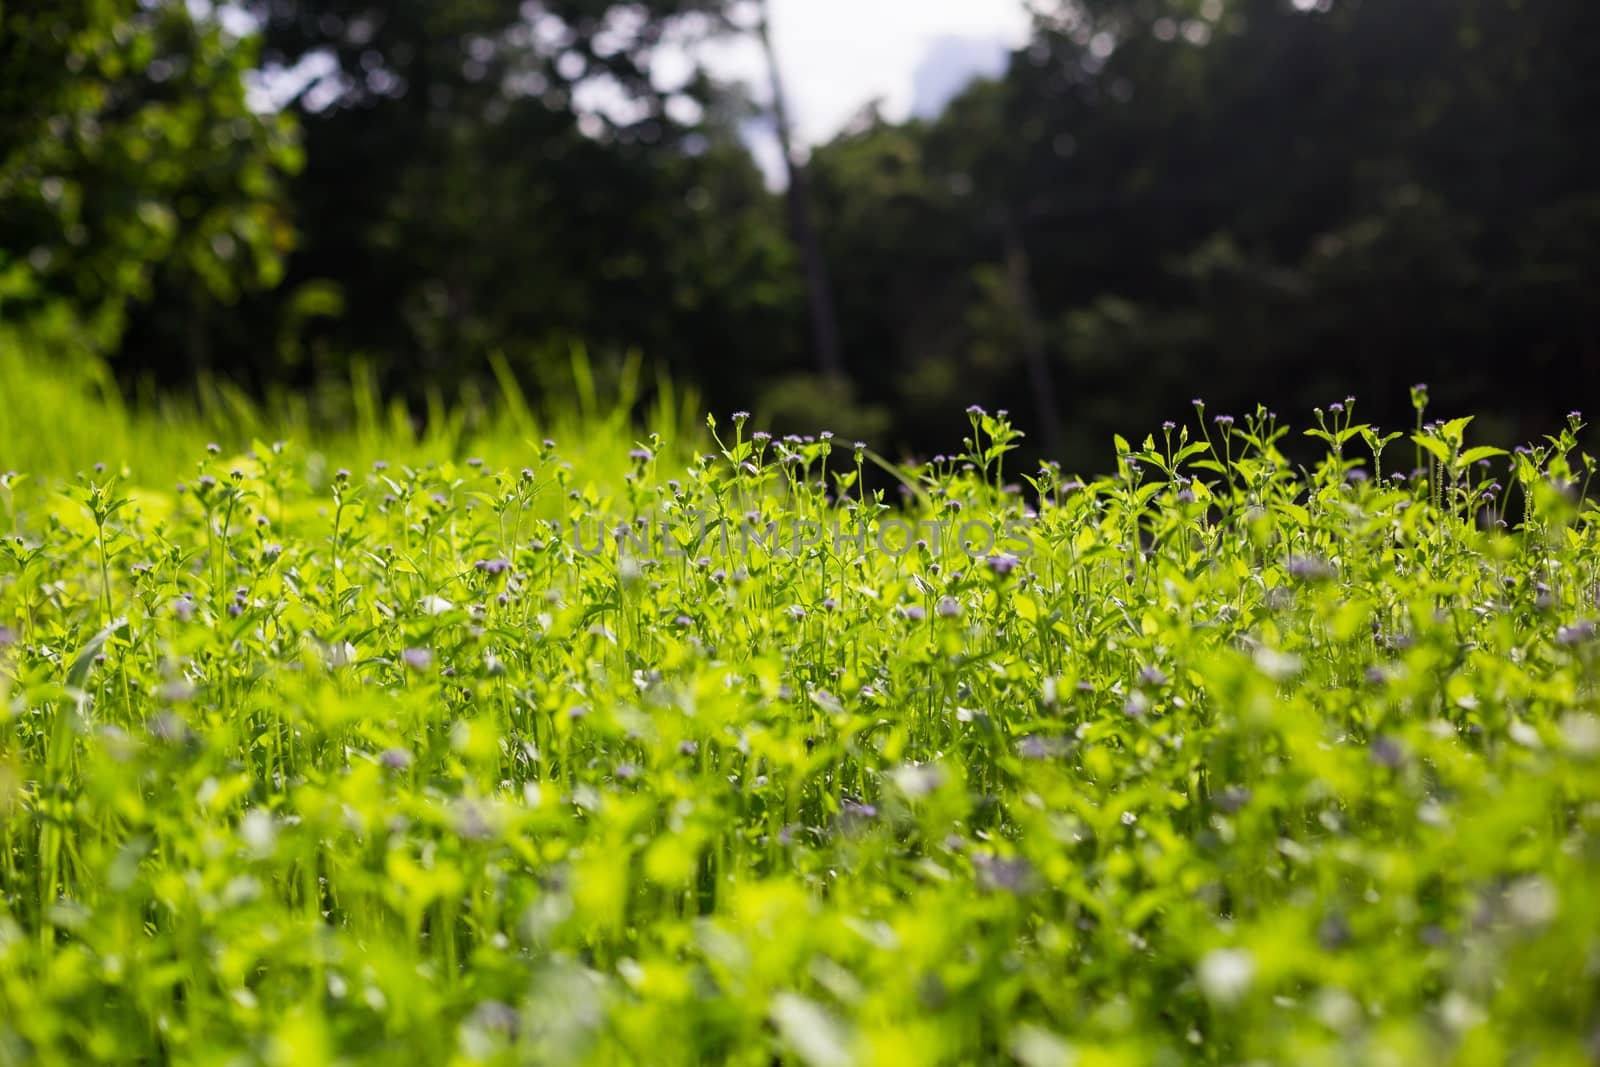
(1037, 747)
(1008, 874)
(918, 780)
(471, 823)
(495, 1017)
(1386, 752)
(914, 612)
(1225, 975)
(418, 659)
(395, 759)
(1310, 568)
(1578, 633)
(853, 815)
(1232, 799)
(495, 567)
(1532, 901)
(167, 727)
(948, 608)
(1002, 565)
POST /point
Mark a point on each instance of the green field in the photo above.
(357, 748)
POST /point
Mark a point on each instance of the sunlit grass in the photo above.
(359, 750)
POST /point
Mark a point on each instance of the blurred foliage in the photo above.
(130, 164)
(1286, 200)
(1249, 199)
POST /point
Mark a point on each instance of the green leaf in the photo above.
(1473, 455)
(1437, 448)
(78, 673)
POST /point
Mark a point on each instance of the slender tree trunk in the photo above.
(803, 231)
(1041, 379)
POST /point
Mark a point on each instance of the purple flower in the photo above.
(418, 659)
(1009, 874)
(948, 608)
(8, 636)
(1152, 676)
(1037, 747)
(495, 566)
(641, 455)
(395, 759)
(1231, 799)
(1386, 752)
(914, 612)
(976, 412)
(1309, 568)
(853, 815)
(1578, 633)
(1000, 566)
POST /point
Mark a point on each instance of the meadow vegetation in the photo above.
(360, 747)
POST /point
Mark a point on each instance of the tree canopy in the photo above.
(1286, 200)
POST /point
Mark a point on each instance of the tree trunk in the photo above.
(1019, 274)
(824, 321)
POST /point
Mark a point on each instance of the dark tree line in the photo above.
(1275, 200)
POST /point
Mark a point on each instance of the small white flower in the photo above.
(1225, 974)
(1532, 901)
(260, 832)
(1581, 733)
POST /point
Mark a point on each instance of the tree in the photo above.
(491, 175)
(129, 161)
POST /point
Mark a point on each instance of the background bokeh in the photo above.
(1275, 201)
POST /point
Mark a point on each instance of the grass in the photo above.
(357, 749)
